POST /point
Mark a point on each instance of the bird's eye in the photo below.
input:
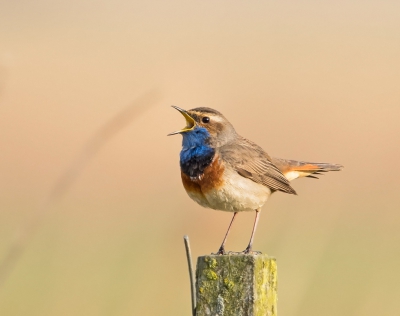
(205, 119)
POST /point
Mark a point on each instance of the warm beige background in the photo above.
(311, 80)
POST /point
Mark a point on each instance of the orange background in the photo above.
(309, 80)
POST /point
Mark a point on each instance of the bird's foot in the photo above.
(221, 251)
(249, 251)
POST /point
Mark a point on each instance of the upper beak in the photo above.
(190, 122)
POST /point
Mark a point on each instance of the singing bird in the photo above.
(224, 171)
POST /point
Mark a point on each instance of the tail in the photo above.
(293, 169)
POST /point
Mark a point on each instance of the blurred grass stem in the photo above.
(191, 276)
(106, 132)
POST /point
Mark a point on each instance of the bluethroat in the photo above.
(224, 171)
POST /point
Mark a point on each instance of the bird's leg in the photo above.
(248, 249)
(221, 250)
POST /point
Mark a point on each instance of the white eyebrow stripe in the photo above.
(216, 118)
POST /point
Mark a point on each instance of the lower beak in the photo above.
(190, 122)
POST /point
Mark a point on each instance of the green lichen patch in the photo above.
(228, 283)
(212, 263)
(266, 291)
(210, 274)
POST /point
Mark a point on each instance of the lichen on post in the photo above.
(236, 285)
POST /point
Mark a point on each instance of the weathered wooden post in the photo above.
(236, 285)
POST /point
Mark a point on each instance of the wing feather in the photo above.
(252, 162)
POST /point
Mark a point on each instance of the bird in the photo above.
(224, 171)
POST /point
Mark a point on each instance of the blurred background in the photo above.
(310, 80)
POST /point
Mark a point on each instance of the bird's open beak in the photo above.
(190, 122)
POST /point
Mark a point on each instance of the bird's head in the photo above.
(205, 124)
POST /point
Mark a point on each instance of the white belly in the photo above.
(237, 194)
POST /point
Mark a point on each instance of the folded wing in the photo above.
(252, 162)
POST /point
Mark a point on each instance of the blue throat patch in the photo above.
(196, 154)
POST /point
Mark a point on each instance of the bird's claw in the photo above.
(221, 251)
(249, 251)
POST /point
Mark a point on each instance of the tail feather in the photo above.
(293, 169)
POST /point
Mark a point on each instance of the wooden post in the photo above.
(236, 285)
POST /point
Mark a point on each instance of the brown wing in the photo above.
(252, 162)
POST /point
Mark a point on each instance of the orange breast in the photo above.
(212, 178)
